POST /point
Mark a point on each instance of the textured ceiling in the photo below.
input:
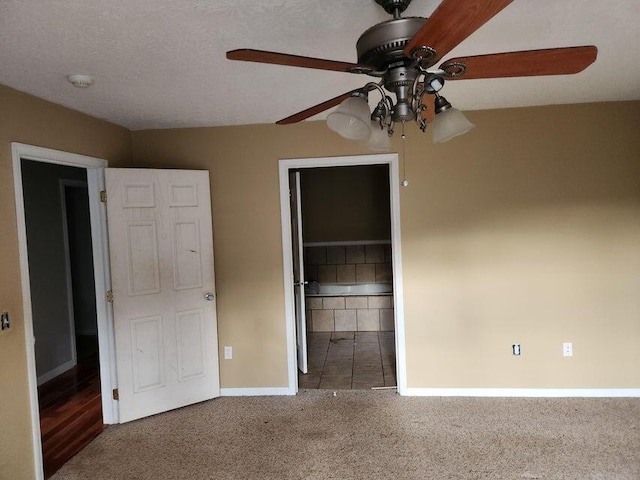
(161, 63)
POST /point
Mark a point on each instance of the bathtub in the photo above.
(338, 289)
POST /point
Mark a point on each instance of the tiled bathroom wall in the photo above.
(367, 313)
(349, 264)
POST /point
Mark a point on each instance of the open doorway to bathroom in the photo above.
(378, 347)
(348, 277)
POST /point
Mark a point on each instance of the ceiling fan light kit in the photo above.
(352, 118)
(402, 53)
(448, 124)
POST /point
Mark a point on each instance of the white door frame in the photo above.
(95, 181)
(285, 217)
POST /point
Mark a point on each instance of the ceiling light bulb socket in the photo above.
(441, 104)
(80, 81)
(379, 113)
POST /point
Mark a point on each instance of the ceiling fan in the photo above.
(402, 53)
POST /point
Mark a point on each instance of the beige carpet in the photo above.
(372, 435)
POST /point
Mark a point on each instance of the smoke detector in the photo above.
(80, 81)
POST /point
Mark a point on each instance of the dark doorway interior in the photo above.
(63, 304)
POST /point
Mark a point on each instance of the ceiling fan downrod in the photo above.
(394, 7)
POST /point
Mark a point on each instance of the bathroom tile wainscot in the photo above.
(353, 287)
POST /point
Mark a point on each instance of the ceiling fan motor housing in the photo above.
(382, 44)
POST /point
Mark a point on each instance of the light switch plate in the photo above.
(4, 321)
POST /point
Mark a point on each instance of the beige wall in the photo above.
(345, 203)
(525, 230)
(29, 120)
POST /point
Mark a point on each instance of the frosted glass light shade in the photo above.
(351, 119)
(379, 141)
(448, 124)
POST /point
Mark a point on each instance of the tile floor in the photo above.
(350, 360)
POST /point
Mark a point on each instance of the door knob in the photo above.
(209, 297)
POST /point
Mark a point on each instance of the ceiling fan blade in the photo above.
(261, 56)
(311, 111)
(552, 61)
(452, 22)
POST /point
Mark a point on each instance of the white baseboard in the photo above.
(466, 392)
(524, 392)
(255, 392)
(45, 377)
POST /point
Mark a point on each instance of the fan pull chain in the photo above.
(405, 182)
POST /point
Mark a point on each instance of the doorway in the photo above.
(136, 245)
(346, 232)
(63, 302)
(338, 343)
(53, 187)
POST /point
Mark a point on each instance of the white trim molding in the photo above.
(526, 392)
(256, 392)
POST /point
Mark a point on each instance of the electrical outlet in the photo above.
(228, 353)
(5, 324)
(515, 348)
(567, 349)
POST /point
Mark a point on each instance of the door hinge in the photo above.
(103, 196)
(110, 296)
(115, 394)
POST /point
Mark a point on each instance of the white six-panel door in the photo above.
(161, 251)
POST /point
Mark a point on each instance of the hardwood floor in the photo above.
(70, 413)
